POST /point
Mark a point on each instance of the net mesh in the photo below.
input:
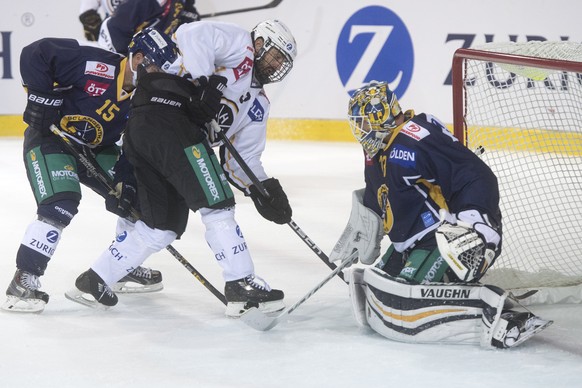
(526, 123)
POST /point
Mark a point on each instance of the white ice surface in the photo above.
(179, 337)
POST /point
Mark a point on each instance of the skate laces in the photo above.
(30, 281)
(142, 272)
(257, 282)
(104, 289)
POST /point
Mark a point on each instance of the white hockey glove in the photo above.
(468, 245)
(363, 233)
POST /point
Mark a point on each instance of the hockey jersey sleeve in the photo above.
(250, 142)
(50, 61)
(210, 46)
(465, 180)
(129, 16)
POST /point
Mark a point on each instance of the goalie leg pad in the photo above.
(431, 313)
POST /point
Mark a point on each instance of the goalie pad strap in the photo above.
(357, 290)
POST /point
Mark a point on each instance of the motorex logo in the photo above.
(374, 44)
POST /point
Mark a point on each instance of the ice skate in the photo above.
(520, 327)
(140, 280)
(251, 291)
(92, 291)
(23, 294)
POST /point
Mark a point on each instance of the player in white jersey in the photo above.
(220, 75)
(439, 204)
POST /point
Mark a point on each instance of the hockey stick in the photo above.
(272, 4)
(216, 128)
(90, 165)
(258, 320)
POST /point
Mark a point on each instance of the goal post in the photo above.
(519, 106)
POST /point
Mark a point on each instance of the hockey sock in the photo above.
(129, 250)
(227, 242)
(37, 247)
(123, 224)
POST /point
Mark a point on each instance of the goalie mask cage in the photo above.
(519, 106)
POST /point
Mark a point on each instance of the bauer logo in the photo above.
(375, 44)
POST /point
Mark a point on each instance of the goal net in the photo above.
(519, 106)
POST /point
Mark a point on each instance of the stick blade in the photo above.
(258, 320)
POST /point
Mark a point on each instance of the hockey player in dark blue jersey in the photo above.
(131, 16)
(86, 92)
(439, 205)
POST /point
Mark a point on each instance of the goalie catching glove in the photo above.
(276, 207)
(469, 244)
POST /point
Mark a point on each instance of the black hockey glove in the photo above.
(204, 106)
(189, 13)
(123, 198)
(91, 21)
(42, 110)
(276, 208)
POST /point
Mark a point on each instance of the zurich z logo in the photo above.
(52, 236)
(257, 112)
(374, 44)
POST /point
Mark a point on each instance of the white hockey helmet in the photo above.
(276, 35)
(372, 113)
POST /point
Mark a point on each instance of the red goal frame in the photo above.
(459, 57)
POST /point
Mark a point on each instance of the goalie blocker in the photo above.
(438, 313)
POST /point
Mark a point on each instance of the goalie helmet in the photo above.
(274, 59)
(156, 47)
(372, 113)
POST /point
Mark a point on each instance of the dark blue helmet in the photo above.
(157, 48)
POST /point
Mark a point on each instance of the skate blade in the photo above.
(136, 288)
(85, 299)
(236, 309)
(15, 304)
